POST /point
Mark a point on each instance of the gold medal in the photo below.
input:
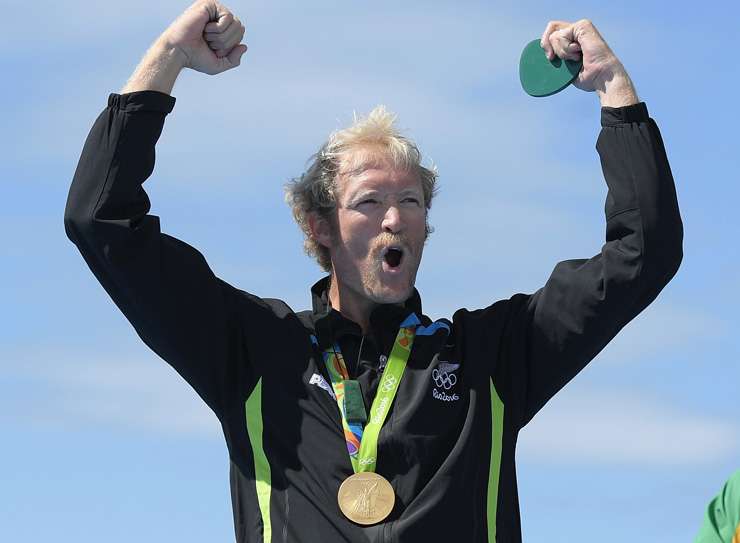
(366, 498)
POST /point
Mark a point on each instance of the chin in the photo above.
(392, 295)
(384, 288)
(393, 298)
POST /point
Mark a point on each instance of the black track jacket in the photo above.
(471, 383)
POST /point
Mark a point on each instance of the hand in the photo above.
(208, 35)
(602, 71)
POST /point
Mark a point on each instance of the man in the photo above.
(361, 419)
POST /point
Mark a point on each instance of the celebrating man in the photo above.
(362, 419)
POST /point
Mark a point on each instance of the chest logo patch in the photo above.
(444, 378)
(319, 381)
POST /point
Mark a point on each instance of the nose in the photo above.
(392, 222)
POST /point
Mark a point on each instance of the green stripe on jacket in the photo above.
(262, 474)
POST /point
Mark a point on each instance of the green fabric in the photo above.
(262, 474)
(494, 468)
(722, 517)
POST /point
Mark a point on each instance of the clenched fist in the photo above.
(602, 71)
(209, 36)
(205, 38)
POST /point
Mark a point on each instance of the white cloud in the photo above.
(614, 427)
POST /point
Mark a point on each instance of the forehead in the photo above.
(373, 169)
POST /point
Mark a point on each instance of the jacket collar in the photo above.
(330, 325)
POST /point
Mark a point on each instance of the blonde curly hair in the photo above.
(368, 140)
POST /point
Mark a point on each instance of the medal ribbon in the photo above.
(362, 443)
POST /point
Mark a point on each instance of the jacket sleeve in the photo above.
(162, 285)
(552, 334)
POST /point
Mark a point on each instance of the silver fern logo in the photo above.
(318, 380)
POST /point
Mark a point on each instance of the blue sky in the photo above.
(103, 441)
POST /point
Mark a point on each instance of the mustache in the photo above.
(387, 239)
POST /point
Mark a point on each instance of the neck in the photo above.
(350, 304)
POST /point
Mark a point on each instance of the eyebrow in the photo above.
(363, 193)
(411, 191)
(366, 193)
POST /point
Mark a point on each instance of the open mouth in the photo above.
(393, 257)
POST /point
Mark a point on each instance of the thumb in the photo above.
(235, 55)
(573, 51)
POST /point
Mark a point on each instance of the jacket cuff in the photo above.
(142, 101)
(636, 113)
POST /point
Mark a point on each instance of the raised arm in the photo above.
(162, 285)
(551, 335)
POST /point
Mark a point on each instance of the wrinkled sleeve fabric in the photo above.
(549, 336)
(163, 286)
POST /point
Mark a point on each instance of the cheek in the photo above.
(358, 245)
(356, 230)
(417, 223)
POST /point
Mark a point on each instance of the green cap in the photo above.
(543, 77)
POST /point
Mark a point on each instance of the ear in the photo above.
(320, 229)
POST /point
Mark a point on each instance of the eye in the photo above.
(366, 202)
(411, 200)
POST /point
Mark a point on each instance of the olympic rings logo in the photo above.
(389, 383)
(443, 379)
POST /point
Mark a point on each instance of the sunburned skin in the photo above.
(378, 238)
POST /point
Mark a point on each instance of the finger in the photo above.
(222, 22)
(216, 40)
(558, 42)
(226, 39)
(564, 43)
(551, 27)
(233, 35)
(585, 26)
(226, 43)
(570, 50)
